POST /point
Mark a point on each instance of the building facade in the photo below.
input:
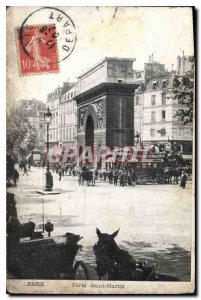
(114, 105)
(53, 101)
(34, 110)
(68, 118)
(185, 63)
(105, 104)
(155, 111)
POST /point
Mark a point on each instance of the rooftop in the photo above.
(103, 60)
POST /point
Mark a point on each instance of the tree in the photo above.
(183, 93)
(21, 136)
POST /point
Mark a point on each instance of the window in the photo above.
(123, 70)
(138, 75)
(153, 116)
(164, 83)
(152, 132)
(154, 84)
(148, 72)
(153, 99)
(163, 132)
(137, 100)
(163, 98)
(163, 114)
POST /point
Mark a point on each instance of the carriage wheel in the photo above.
(80, 270)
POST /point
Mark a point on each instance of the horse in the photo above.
(118, 264)
(87, 176)
(172, 172)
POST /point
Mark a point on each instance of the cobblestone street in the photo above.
(155, 221)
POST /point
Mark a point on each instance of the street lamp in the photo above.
(49, 178)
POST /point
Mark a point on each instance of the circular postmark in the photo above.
(53, 29)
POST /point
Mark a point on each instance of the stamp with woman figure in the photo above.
(41, 47)
(37, 49)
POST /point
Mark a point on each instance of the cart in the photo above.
(30, 255)
(47, 258)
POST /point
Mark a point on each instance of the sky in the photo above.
(134, 32)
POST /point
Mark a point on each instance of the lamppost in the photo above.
(49, 178)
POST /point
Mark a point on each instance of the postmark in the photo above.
(42, 47)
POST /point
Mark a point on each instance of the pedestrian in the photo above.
(29, 167)
(133, 178)
(115, 175)
(60, 174)
(66, 169)
(25, 170)
(122, 179)
(183, 180)
(104, 175)
(110, 176)
(129, 179)
(63, 170)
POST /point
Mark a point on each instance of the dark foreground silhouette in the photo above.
(118, 264)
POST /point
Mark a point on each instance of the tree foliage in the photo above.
(183, 93)
(21, 136)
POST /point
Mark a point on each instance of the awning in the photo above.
(187, 156)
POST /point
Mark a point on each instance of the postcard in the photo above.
(100, 150)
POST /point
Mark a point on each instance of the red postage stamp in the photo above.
(37, 49)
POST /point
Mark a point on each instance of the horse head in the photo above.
(105, 250)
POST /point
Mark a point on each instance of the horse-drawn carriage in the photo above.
(30, 255)
(88, 176)
(46, 258)
(37, 257)
(159, 168)
(149, 170)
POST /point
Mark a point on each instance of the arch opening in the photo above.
(89, 134)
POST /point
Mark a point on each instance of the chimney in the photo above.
(152, 58)
(149, 58)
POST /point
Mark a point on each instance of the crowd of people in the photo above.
(122, 176)
(115, 175)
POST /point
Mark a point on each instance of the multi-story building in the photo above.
(185, 63)
(113, 80)
(151, 69)
(53, 100)
(155, 111)
(68, 118)
(34, 110)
